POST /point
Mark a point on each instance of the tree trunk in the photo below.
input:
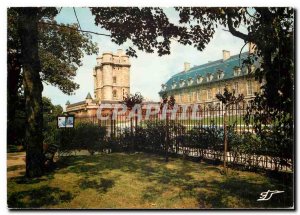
(13, 78)
(32, 91)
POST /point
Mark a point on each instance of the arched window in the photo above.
(123, 93)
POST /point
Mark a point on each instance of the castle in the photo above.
(200, 84)
(196, 85)
(111, 84)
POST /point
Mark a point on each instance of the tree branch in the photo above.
(77, 18)
(75, 29)
(234, 32)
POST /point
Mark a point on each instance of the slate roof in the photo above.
(88, 96)
(77, 103)
(189, 78)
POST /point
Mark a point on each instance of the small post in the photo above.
(111, 126)
(225, 142)
(167, 137)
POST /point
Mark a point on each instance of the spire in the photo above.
(88, 96)
(68, 102)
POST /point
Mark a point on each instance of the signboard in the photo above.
(65, 121)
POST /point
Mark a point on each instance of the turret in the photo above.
(67, 104)
(107, 57)
(88, 98)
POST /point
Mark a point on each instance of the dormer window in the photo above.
(199, 79)
(181, 83)
(209, 77)
(173, 85)
(220, 74)
(249, 69)
(236, 71)
(190, 81)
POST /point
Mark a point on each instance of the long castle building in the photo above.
(200, 84)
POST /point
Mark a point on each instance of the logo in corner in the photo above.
(265, 196)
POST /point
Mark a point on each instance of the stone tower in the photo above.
(112, 76)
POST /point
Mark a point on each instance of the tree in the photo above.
(40, 50)
(168, 103)
(61, 48)
(228, 99)
(33, 87)
(270, 29)
(131, 100)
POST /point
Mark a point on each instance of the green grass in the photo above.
(141, 180)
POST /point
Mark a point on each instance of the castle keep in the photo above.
(111, 84)
(111, 76)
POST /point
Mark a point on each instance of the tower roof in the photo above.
(68, 102)
(88, 96)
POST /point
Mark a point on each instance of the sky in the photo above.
(148, 71)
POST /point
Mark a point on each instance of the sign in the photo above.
(65, 121)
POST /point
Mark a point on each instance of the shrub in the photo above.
(89, 136)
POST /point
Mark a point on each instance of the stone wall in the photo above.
(201, 94)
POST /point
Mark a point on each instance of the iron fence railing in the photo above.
(188, 120)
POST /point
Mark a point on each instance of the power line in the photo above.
(77, 18)
(75, 29)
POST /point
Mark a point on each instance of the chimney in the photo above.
(226, 55)
(252, 48)
(187, 66)
(120, 52)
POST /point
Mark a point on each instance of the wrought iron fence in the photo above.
(179, 139)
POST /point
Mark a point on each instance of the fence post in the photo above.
(225, 141)
(112, 128)
(167, 137)
(131, 126)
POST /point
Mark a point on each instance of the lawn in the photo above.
(140, 180)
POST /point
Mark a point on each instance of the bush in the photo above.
(84, 136)
(89, 136)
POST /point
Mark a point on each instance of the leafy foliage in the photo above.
(84, 136)
(274, 127)
(148, 28)
(228, 98)
(61, 48)
(89, 136)
(169, 101)
(131, 100)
